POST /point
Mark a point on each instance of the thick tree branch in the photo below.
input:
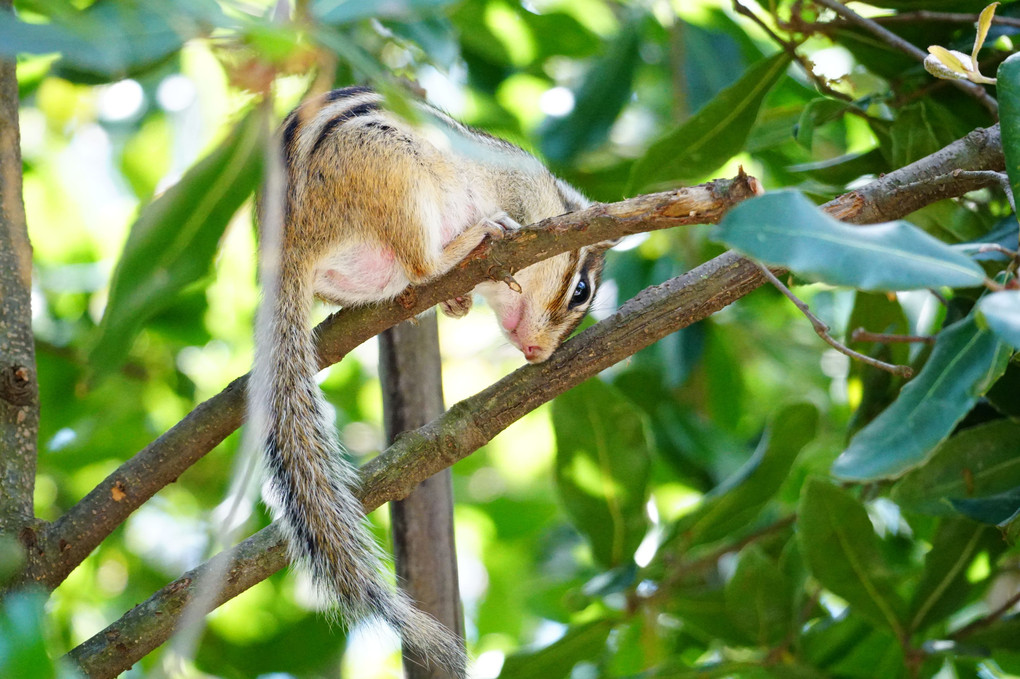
(64, 544)
(654, 313)
(19, 393)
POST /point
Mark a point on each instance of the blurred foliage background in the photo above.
(641, 525)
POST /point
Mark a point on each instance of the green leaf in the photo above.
(602, 468)
(842, 551)
(109, 40)
(815, 114)
(964, 363)
(581, 642)
(995, 509)
(23, 651)
(944, 584)
(713, 135)
(786, 229)
(734, 504)
(1001, 312)
(173, 242)
(922, 128)
(759, 597)
(977, 462)
(345, 11)
(598, 100)
(879, 313)
(1008, 90)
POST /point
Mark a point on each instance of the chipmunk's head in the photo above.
(554, 298)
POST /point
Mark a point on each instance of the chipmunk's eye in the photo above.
(581, 294)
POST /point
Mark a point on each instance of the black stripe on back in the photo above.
(353, 112)
(289, 132)
(344, 92)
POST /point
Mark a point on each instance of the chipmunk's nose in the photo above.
(531, 351)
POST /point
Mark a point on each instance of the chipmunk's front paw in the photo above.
(457, 307)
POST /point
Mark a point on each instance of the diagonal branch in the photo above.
(65, 543)
(654, 313)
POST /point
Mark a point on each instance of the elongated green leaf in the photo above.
(1001, 311)
(759, 597)
(964, 363)
(173, 242)
(346, 11)
(991, 509)
(1008, 89)
(977, 462)
(602, 467)
(738, 500)
(583, 642)
(109, 39)
(842, 551)
(714, 134)
(601, 96)
(786, 229)
(944, 584)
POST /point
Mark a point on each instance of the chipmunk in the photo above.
(374, 203)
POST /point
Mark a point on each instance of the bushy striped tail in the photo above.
(312, 480)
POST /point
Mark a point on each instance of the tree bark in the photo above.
(423, 537)
(19, 392)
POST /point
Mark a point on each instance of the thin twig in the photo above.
(942, 17)
(908, 48)
(980, 623)
(790, 47)
(822, 331)
(864, 335)
(992, 176)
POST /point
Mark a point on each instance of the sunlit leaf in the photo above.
(736, 502)
(173, 242)
(1001, 311)
(598, 100)
(602, 468)
(712, 135)
(346, 11)
(582, 642)
(944, 585)
(964, 363)
(842, 551)
(984, 23)
(786, 229)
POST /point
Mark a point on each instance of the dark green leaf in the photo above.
(815, 114)
(965, 362)
(977, 462)
(603, 92)
(944, 584)
(582, 642)
(842, 551)
(173, 242)
(991, 509)
(1009, 117)
(735, 503)
(713, 135)
(23, 651)
(759, 597)
(786, 229)
(602, 467)
(923, 128)
(1001, 312)
(878, 313)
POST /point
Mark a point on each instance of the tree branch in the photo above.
(653, 313)
(19, 392)
(66, 543)
(908, 48)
